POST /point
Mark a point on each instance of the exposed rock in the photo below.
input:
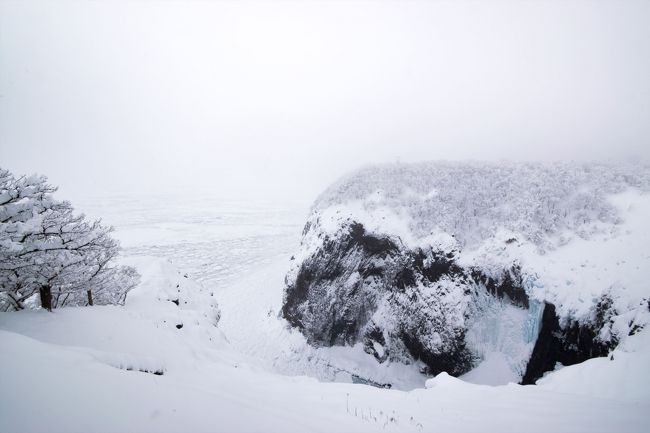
(402, 304)
(570, 345)
(415, 305)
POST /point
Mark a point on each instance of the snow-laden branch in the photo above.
(46, 248)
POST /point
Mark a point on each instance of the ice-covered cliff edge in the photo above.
(446, 264)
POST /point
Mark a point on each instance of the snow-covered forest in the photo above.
(474, 200)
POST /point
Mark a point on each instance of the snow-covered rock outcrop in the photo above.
(445, 264)
(173, 299)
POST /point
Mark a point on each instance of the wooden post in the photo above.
(90, 297)
(46, 297)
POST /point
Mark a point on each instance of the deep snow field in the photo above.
(222, 361)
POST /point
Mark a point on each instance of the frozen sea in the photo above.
(217, 241)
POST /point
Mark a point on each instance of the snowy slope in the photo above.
(67, 372)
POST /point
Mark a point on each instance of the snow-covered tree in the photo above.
(46, 249)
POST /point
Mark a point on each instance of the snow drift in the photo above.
(443, 265)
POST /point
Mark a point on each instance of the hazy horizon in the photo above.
(278, 99)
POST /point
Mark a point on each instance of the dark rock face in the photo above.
(570, 345)
(326, 276)
(373, 336)
(401, 304)
(414, 305)
(509, 285)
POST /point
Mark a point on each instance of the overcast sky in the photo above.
(280, 98)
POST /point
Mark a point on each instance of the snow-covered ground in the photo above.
(99, 368)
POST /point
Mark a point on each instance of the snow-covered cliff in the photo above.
(447, 264)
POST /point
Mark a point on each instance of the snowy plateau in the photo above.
(419, 297)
